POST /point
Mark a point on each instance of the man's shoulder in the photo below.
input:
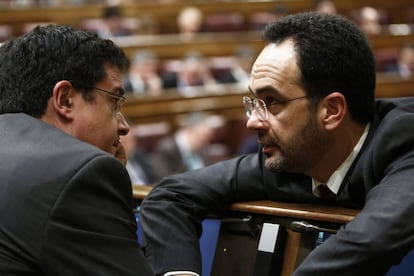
(394, 113)
(44, 144)
(390, 128)
(403, 105)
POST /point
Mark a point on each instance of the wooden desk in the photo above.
(296, 211)
(280, 209)
(139, 192)
(296, 248)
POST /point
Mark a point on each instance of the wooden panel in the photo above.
(389, 86)
(73, 13)
(165, 13)
(172, 46)
(166, 107)
(139, 192)
(296, 210)
(281, 209)
(225, 44)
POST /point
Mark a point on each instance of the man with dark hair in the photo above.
(113, 23)
(318, 124)
(404, 64)
(65, 200)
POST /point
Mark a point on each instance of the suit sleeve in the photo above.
(91, 229)
(383, 232)
(171, 214)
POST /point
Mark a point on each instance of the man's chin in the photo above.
(273, 163)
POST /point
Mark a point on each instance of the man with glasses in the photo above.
(318, 125)
(65, 195)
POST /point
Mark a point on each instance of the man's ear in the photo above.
(63, 98)
(333, 110)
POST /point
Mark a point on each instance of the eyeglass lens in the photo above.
(255, 104)
(119, 99)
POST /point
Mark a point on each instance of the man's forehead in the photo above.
(276, 54)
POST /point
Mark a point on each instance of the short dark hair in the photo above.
(332, 55)
(111, 11)
(32, 64)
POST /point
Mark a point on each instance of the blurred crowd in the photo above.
(150, 76)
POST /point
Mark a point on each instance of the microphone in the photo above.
(303, 226)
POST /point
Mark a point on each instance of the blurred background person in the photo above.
(138, 166)
(325, 6)
(259, 20)
(369, 20)
(112, 23)
(186, 149)
(404, 65)
(249, 145)
(6, 32)
(143, 75)
(240, 68)
(192, 75)
(190, 21)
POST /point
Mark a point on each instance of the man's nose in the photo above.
(254, 123)
(123, 126)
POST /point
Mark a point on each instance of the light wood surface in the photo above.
(280, 209)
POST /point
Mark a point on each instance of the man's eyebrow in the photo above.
(264, 90)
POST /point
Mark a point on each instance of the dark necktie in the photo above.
(326, 194)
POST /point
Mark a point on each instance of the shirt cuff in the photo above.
(171, 273)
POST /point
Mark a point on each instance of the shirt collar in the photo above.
(336, 178)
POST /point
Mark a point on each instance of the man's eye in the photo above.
(271, 101)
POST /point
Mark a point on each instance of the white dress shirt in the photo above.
(336, 178)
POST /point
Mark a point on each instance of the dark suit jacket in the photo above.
(65, 206)
(126, 81)
(226, 76)
(380, 181)
(169, 80)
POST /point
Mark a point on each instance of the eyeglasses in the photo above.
(119, 99)
(261, 108)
